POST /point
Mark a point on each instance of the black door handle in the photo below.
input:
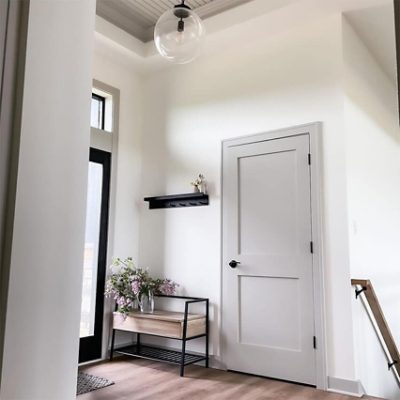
(234, 263)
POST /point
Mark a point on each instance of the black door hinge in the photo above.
(309, 159)
(314, 342)
(312, 247)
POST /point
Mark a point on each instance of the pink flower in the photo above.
(121, 301)
(168, 287)
(136, 285)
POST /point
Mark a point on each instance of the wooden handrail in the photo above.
(370, 295)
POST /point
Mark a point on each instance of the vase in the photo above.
(203, 188)
(146, 303)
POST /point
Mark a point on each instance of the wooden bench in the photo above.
(181, 326)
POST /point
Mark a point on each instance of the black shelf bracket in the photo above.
(359, 291)
(392, 364)
(178, 200)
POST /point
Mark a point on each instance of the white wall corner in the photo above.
(345, 386)
(217, 363)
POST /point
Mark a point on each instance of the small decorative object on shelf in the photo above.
(130, 286)
(199, 184)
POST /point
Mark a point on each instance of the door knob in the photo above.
(234, 263)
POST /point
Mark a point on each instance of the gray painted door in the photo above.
(268, 310)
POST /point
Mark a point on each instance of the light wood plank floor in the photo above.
(137, 379)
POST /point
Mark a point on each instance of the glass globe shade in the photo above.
(179, 39)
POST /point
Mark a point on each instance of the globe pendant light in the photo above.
(178, 34)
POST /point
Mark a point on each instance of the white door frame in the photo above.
(314, 130)
(108, 142)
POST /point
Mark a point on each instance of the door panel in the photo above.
(268, 298)
(254, 217)
(279, 302)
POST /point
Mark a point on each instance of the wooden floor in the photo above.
(146, 380)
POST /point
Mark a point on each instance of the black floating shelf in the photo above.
(178, 200)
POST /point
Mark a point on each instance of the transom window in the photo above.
(97, 119)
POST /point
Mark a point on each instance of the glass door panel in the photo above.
(91, 254)
(95, 256)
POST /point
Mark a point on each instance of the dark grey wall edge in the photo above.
(397, 34)
(13, 36)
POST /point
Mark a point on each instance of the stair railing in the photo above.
(375, 313)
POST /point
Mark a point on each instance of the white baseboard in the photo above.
(345, 386)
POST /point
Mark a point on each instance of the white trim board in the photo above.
(108, 142)
(344, 386)
(314, 130)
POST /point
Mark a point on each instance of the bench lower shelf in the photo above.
(160, 354)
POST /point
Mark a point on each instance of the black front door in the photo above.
(95, 256)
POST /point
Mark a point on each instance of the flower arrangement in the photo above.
(127, 285)
(199, 184)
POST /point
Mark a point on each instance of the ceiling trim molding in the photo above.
(124, 17)
(113, 41)
(218, 6)
(111, 32)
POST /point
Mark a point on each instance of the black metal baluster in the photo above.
(112, 344)
(207, 329)
(184, 339)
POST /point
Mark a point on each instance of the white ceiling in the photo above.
(375, 26)
(138, 17)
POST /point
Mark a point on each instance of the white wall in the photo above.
(286, 71)
(295, 65)
(373, 161)
(116, 73)
(116, 70)
(42, 326)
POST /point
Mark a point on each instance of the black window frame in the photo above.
(102, 101)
